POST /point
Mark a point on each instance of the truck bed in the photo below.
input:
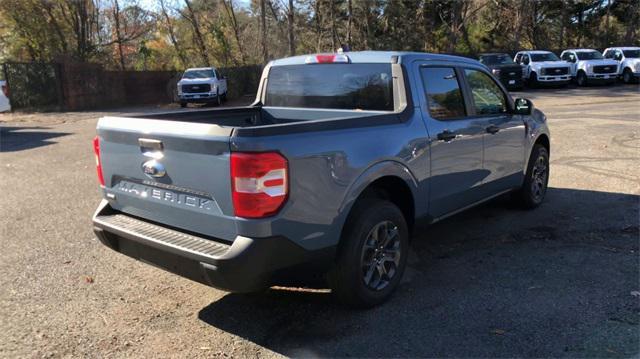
(255, 116)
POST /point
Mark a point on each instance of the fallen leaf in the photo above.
(635, 293)
(66, 262)
(88, 279)
(205, 348)
(498, 331)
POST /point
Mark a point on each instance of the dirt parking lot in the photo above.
(559, 281)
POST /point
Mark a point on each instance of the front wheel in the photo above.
(218, 100)
(581, 79)
(534, 188)
(372, 255)
(183, 104)
(627, 76)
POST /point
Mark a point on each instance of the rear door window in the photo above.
(332, 86)
(442, 90)
(488, 98)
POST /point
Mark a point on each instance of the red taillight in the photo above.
(96, 150)
(259, 183)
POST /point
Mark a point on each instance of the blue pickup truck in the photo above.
(323, 178)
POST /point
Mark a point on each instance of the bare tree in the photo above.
(236, 29)
(172, 34)
(199, 40)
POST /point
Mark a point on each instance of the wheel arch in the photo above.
(389, 180)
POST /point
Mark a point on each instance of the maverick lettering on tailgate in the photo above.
(164, 195)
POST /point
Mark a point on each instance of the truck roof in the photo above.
(201, 68)
(580, 50)
(536, 51)
(624, 47)
(377, 57)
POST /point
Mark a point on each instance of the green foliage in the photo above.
(168, 34)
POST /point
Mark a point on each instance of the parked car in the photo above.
(543, 67)
(4, 97)
(503, 67)
(325, 175)
(202, 85)
(589, 66)
(628, 60)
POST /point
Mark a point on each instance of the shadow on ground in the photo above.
(23, 138)
(494, 281)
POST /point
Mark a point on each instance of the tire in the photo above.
(218, 101)
(581, 79)
(183, 104)
(533, 80)
(364, 275)
(627, 76)
(536, 180)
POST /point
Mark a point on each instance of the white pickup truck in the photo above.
(202, 85)
(4, 97)
(543, 67)
(628, 61)
(589, 66)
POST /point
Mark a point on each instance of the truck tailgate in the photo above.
(174, 173)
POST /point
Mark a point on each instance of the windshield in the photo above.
(501, 59)
(198, 74)
(632, 53)
(335, 86)
(547, 56)
(589, 55)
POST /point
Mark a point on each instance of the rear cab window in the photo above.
(350, 86)
(443, 93)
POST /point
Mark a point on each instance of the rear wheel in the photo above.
(534, 188)
(372, 255)
(581, 79)
(183, 104)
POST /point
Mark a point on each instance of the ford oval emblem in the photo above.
(153, 168)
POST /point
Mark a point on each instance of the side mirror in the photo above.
(523, 106)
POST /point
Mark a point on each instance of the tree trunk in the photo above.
(116, 20)
(349, 21)
(236, 31)
(333, 25)
(263, 28)
(198, 35)
(290, 24)
(172, 35)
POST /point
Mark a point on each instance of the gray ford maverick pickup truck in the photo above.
(324, 177)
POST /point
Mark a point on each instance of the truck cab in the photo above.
(202, 85)
(589, 66)
(543, 68)
(628, 61)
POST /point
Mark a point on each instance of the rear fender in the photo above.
(377, 171)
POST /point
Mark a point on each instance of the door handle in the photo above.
(446, 136)
(493, 129)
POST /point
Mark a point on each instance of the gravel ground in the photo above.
(495, 281)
